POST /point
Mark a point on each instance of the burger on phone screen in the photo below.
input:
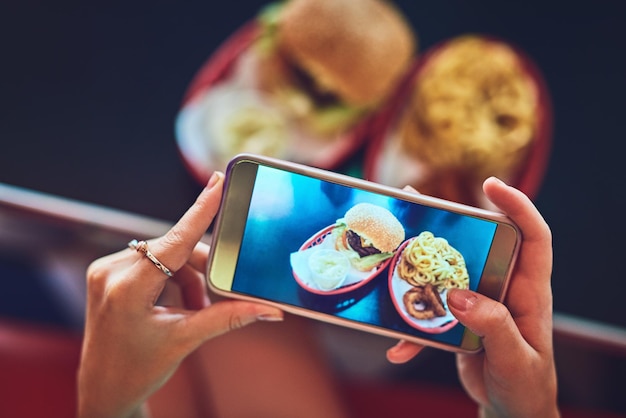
(368, 234)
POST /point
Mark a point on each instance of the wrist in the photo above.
(141, 412)
(86, 410)
(486, 412)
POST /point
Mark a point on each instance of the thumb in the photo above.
(491, 321)
(227, 315)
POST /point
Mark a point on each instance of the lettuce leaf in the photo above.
(360, 263)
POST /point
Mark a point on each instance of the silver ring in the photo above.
(142, 247)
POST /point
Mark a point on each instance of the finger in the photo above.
(403, 351)
(531, 284)
(122, 277)
(175, 247)
(491, 321)
(535, 230)
(192, 288)
(225, 316)
(199, 256)
(517, 206)
(408, 188)
(189, 279)
(100, 274)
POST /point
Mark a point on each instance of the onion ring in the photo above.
(423, 302)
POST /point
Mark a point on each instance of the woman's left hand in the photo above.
(517, 363)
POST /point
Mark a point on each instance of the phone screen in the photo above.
(293, 250)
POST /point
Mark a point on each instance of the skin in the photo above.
(132, 345)
(514, 376)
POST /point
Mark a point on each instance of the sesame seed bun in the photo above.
(357, 50)
(376, 224)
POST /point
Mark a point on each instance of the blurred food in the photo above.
(364, 34)
(331, 61)
(311, 80)
(473, 107)
(297, 83)
(472, 114)
(244, 120)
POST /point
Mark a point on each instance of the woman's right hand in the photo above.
(132, 345)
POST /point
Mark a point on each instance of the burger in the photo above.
(331, 61)
(297, 82)
(368, 234)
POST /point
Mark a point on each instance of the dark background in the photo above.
(89, 92)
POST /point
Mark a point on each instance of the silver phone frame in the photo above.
(221, 245)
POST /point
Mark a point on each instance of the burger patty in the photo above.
(354, 240)
(321, 98)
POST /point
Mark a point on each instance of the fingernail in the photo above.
(461, 299)
(270, 317)
(498, 180)
(215, 177)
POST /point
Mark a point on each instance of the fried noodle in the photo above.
(432, 260)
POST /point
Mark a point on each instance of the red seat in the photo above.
(38, 379)
(37, 371)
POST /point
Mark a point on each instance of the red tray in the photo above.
(530, 176)
(317, 239)
(396, 298)
(218, 68)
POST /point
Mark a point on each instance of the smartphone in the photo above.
(355, 253)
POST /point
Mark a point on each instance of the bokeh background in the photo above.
(89, 92)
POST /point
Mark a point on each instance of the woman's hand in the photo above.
(515, 374)
(131, 344)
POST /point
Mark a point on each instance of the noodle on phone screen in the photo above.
(432, 260)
